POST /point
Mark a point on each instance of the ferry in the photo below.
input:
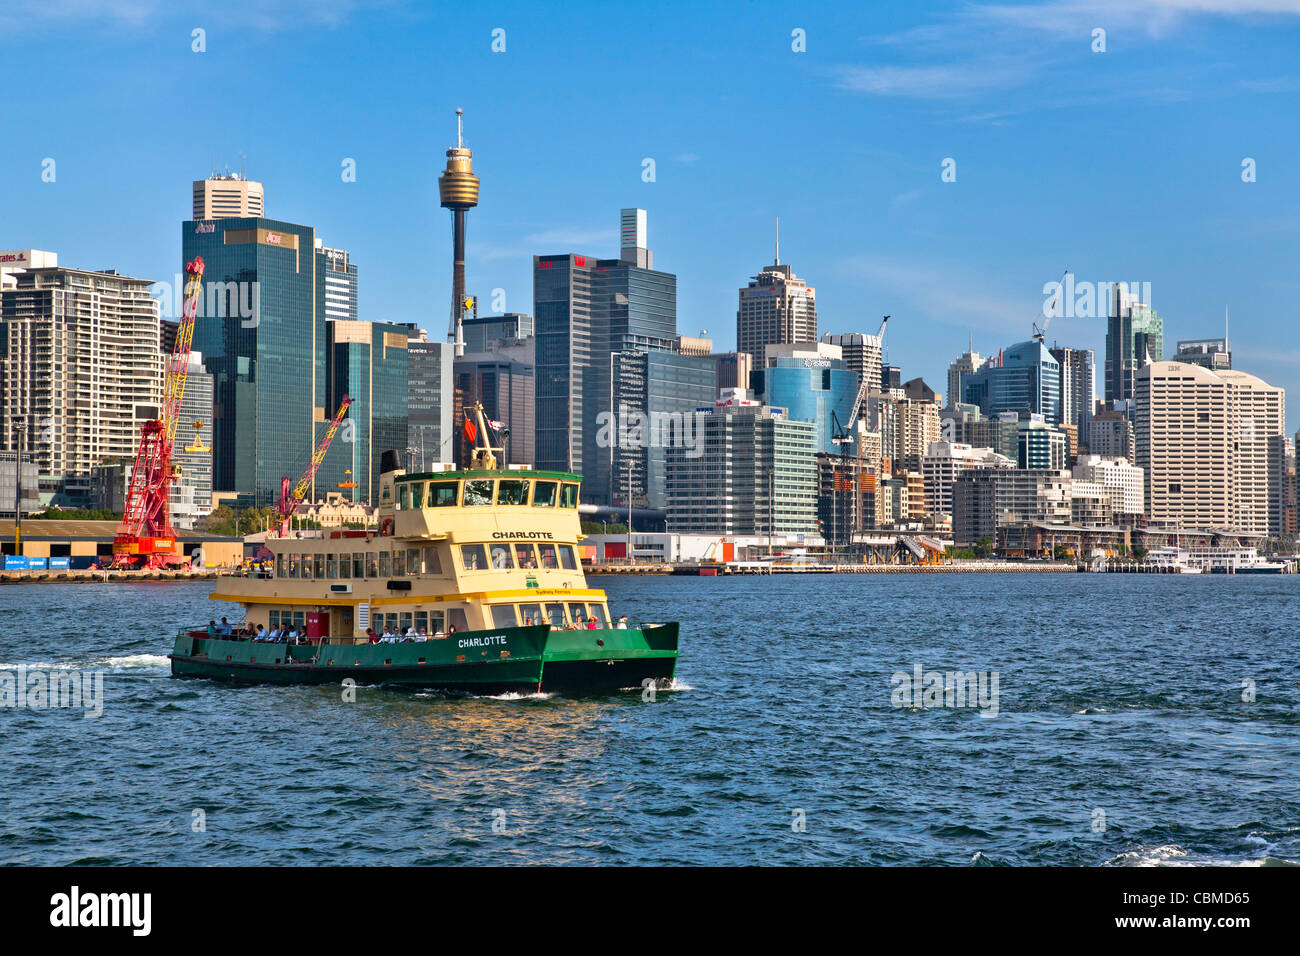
(471, 583)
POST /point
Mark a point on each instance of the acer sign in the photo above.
(202, 227)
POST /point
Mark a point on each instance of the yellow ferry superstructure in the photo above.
(474, 566)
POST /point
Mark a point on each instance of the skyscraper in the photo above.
(1211, 446)
(497, 370)
(1023, 378)
(458, 189)
(1078, 386)
(968, 363)
(368, 362)
(812, 384)
(191, 495)
(227, 196)
(261, 331)
(339, 274)
(81, 371)
(861, 353)
(588, 313)
(430, 400)
(776, 308)
(1135, 338)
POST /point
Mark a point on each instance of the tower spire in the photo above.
(460, 129)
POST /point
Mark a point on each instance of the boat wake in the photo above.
(125, 663)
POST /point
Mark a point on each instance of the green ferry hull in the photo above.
(509, 660)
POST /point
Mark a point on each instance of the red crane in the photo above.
(290, 500)
(145, 537)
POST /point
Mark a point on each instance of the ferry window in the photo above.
(422, 622)
(478, 492)
(569, 495)
(437, 621)
(512, 492)
(526, 558)
(306, 566)
(547, 552)
(293, 565)
(345, 565)
(503, 615)
(577, 614)
(600, 613)
(432, 563)
(555, 612)
(331, 565)
(385, 565)
(531, 613)
(403, 497)
(318, 560)
(274, 619)
(458, 619)
(279, 565)
(412, 560)
(417, 494)
(372, 564)
(567, 560)
(442, 494)
(399, 563)
(358, 565)
(544, 494)
(473, 557)
(299, 619)
(501, 557)
(404, 623)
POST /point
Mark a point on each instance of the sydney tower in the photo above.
(458, 187)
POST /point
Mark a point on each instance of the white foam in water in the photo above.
(138, 660)
(1172, 855)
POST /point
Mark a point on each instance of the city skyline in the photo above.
(866, 218)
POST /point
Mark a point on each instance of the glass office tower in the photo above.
(261, 330)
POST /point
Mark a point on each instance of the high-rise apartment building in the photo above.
(1123, 481)
(776, 308)
(943, 462)
(1110, 434)
(227, 196)
(1210, 446)
(82, 370)
(1135, 337)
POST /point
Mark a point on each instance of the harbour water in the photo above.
(1120, 737)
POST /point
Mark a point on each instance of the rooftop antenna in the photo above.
(777, 258)
(460, 133)
(1226, 347)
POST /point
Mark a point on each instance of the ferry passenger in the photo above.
(212, 629)
(261, 634)
(273, 634)
(371, 636)
(591, 623)
(622, 623)
(451, 630)
(225, 629)
(423, 636)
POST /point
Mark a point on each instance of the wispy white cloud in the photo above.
(26, 16)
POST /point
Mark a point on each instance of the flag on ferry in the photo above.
(496, 426)
(470, 431)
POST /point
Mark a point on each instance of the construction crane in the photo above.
(1040, 333)
(843, 434)
(145, 538)
(290, 500)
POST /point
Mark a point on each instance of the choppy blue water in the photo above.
(1121, 736)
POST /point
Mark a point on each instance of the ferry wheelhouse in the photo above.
(471, 582)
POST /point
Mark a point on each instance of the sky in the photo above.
(1118, 156)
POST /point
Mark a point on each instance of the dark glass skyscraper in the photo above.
(368, 362)
(588, 312)
(261, 330)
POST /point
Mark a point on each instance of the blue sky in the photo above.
(1117, 165)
